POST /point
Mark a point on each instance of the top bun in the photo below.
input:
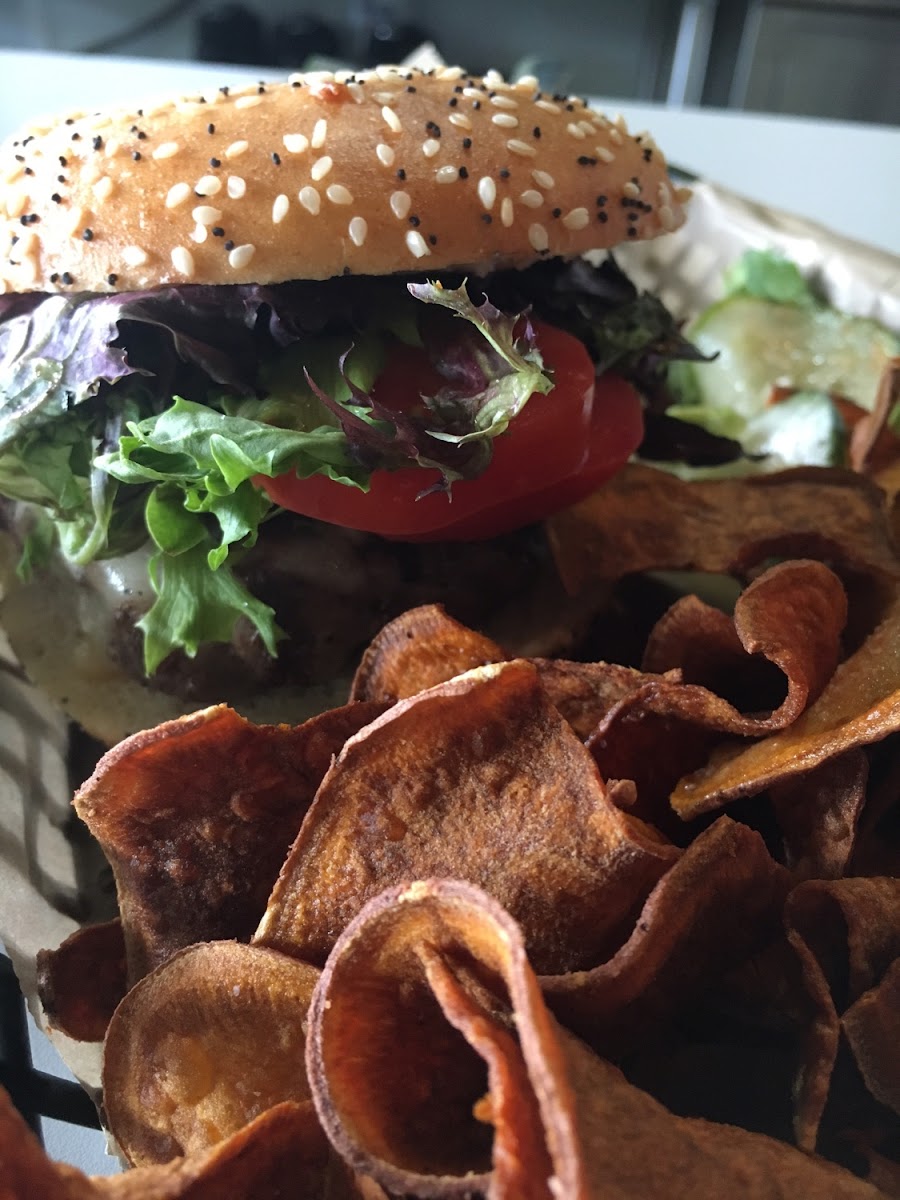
(373, 173)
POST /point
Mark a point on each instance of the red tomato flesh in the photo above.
(559, 448)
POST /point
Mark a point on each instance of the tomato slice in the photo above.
(558, 449)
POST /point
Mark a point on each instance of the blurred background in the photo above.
(821, 58)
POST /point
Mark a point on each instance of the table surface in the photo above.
(843, 175)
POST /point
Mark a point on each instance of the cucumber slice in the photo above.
(760, 343)
(806, 430)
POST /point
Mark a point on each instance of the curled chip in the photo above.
(718, 904)
(644, 520)
(479, 778)
(204, 1045)
(818, 815)
(81, 982)
(860, 705)
(196, 816)
(281, 1153)
(417, 650)
(485, 1092)
(846, 933)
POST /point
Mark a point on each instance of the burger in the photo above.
(277, 363)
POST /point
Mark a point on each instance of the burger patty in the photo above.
(332, 589)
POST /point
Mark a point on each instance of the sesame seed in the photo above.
(604, 154)
(385, 154)
(134, 256)
(217, 231)
(338, 194)
(506, 120)
(280, 208)
(63, 161)
(112, 279)
(205, 214)
(503, 172)
(414, 221)
(295, 143)
(633, 216)
(210, 128)
(229, 246)
(667, 217)
(575, 130)
(446, 175)
(236, 186)
(56, 198)
(54, 278)
(601, 200)
(16, 201)
(358, 230)
(537, 237)
(276, 158)
(472, 93)
(356, 91)
(400, 204)
(523, 149)
(385, 97)
(542, 179)
(585, 160)
(208, 185)
(215, 163)
(431, 147)
(532, 198)
(487, 191)
(506, 102)
(76, 217)
(602, 217)
(321, 167)
(166, 150)
(237, 148)
(136, 155)
(183, 261)
(616, 136)
(392, 120)
(632, 232)
(240, 256)
(476, 104)
(557, 212)
(88, 235)
(460, 120)
(247, 101)
(199, 234)
(631, 189)
(416, 244)
(320, 130)
(506, 212)
(527, 82)
(310, 199)
(97, 142)
(467, 143)
(102, 189)
(177, 194)
(401, 174)
(66, 278)
(487, 218)
(577, 219)
(60, 179)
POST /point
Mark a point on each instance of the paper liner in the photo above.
(51, 879)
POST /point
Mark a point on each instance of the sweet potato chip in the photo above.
(860, 705)
(482, 778)
(196, 816)
(281, 1153)
(204, 1045)
(872, 1026)
(565, 1123)
(818, 814)
(417, 650)
(644, 519)
(791, 616)
(584, 693)
(82, 981)
(846, 934)
(719, 903)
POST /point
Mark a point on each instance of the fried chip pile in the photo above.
(532, 928)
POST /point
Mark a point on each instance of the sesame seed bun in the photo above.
(374, 173)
